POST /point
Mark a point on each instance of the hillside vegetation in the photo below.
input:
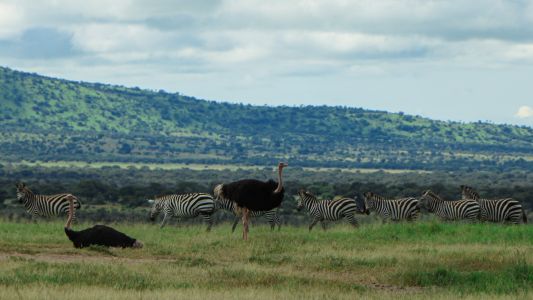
(400, 261)
(44, 118)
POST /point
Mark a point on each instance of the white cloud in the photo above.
(11, 20)
(524, 112)
(244, 45)
(117, 37)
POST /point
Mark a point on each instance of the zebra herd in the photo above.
(471, 207)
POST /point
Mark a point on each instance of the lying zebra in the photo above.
(328, 210)
(271, 215)
(393, 209)
(450, 210)
(183, 206)
(46, 206)
(505, 210)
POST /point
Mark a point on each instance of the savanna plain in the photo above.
(421, 260)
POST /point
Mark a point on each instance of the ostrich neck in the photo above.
(280, 183)
(70, 213)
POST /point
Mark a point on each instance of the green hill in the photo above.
(44, 118)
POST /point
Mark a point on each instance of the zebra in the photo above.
(271, 215)
(45, 206)
(183, 206)
(450, 210)
(394, 209)
(505, 210)
(328, 210)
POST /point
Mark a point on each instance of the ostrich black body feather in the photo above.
(100, 235)
(253, 194)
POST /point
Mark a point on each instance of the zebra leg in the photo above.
(313, 223)
(164, 221)
(272, 224)
(323, 224)
(234, 224)
(209, 221)
(352, 220)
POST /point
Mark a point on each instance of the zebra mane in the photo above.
(431, 195)
(308, 194)
(372, 196)
(469, 193)
(24, 188)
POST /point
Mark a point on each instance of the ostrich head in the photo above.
(137, 244)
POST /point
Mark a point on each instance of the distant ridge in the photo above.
(43, 118)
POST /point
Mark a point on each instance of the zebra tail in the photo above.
(524, 216)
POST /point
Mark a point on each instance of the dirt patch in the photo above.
(53, 257)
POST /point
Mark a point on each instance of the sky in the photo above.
(448, 60)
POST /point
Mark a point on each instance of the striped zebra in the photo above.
(328, 210)
(183, 206)
(271, 215)
(450, 210)
(505, 210)
(46, 206)
(393, 209)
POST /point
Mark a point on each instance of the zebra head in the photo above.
(361, 206)
(369, 202)
(305, 196)
(468, 192)
(157, 206)
(428, 200)
(21, 191)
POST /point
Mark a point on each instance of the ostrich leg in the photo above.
(245, 219)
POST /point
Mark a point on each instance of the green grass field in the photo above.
(405, 261)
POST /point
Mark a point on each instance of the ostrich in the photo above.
(252, 195)
(98, 235)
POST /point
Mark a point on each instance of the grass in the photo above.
(405, 261)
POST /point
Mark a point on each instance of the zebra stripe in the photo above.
(394, 209)
(270, 215)
(505, 210)
(45, 206)
(328, 210)
(184, 206)
(450, 210)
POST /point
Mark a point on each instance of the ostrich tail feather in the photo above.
(218, 191)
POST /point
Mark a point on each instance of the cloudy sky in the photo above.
(451, 60)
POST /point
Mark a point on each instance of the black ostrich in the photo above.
(98, 235)
(252, 195)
